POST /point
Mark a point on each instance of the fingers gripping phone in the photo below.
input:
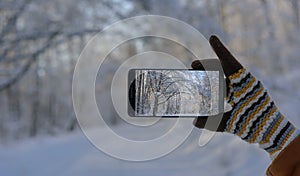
(174, 92)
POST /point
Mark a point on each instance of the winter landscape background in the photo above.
(40, 42)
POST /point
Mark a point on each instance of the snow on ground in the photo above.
(74, 155)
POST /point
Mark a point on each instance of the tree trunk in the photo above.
(35, 104)
(14, 106)
(295, 5)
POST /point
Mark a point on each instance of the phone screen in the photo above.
(173, 93)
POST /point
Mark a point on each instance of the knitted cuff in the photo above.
(255, 118)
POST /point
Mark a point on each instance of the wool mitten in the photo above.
(254, 117)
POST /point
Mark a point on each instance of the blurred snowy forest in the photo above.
(41, 40)
(176, 92)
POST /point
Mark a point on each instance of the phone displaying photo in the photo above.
(174, 93)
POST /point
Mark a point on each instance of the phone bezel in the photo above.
(131, 91)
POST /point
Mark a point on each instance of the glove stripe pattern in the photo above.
(255, 117)
(254, 123)
(279, 141)
(251, 111)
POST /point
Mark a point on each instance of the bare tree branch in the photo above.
(110, 6)
(27, 66)
(10, 46)
(41, 35)
(13, 18)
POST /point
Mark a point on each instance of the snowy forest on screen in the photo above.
(176, 92)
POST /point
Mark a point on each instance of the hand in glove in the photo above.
(254, 117)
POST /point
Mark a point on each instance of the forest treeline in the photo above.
(40, 42)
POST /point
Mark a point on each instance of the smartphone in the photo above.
(174, 92)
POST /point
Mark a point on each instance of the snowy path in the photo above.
(73, 155)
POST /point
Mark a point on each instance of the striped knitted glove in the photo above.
(254, 117)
